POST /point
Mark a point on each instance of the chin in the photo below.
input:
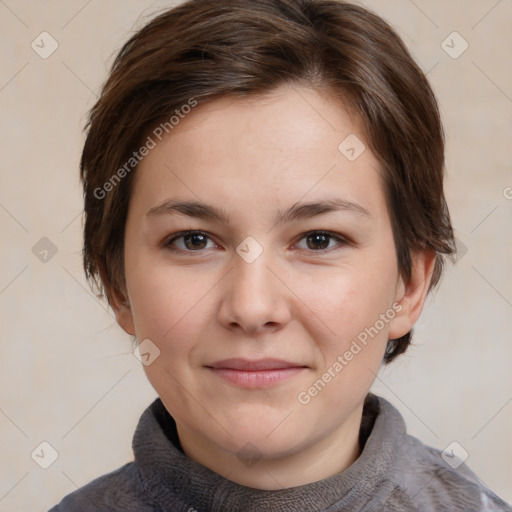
(265, 439)
(262, 447)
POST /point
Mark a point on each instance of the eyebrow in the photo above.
(296, 212)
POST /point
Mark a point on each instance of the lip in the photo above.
(254, 365)
(258, 373)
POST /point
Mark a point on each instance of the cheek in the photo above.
(347, 301)
(164, 300)
(350, 337)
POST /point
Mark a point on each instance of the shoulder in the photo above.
(120, 490)
(136, 486)
(447, 481)
(423, 476)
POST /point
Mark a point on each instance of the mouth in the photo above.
(253, 374)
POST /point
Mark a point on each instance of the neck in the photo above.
(318, 460)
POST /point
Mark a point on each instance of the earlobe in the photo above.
(411, 295)
(122, 309)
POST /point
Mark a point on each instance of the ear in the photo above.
(121, 306)
(411, 296)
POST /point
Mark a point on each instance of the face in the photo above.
(256, 257)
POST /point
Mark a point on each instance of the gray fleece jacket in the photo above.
(394, 473)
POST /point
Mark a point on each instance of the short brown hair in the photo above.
(203, 50)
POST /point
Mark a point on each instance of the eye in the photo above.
(321, 241)
(190, 241)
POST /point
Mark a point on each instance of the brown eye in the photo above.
(195, 241)
(320, 241)
(192, 241)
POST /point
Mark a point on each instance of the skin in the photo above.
(199, 301)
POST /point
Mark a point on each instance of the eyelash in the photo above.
(340, 240)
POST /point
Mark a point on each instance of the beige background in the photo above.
(68, 375)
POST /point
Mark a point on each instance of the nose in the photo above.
(254, 297)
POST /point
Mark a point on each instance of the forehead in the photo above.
(298, 116)
(294, 143)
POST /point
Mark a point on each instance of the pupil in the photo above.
(320, 241)
(195, 241)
